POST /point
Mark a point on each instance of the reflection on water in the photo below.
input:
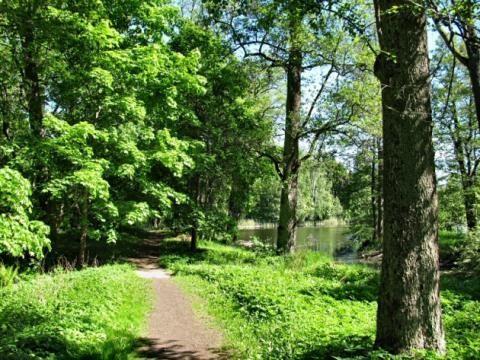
(332, 241)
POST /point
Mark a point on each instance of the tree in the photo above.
(316, 199)
(457, 24)
(296, 36)
(409, 313)
(457, 128)
(230, 128)
(101, 80)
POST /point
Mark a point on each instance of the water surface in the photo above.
(331, 241)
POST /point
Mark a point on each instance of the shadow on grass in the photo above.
(31, 335)
(468, 288)
(347, 347)
(129, 245)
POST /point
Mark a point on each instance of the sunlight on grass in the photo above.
(304, 306)
(96, 313)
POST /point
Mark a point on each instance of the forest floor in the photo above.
(174, 330)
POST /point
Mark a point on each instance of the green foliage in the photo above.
(306, 307)
(19, 235)
(357, 196)
(264, 201)
(228, 131)
(470, 253)
(8, 275)
(451, 207)
(316, 199)
(96, 314)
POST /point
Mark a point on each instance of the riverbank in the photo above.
(305, 306)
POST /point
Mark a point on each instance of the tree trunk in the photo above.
(409, 312)
(379, 224)
(33, 87)
(287, 225)
(469, 203)
(473, 65)
(55, 217)
(193, 238)
(373, 197)
(197, 199)
(467, 174)
(83, 231)
(474, 72)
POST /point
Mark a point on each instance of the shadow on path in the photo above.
(173, 349)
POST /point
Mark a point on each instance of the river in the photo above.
(331, 241)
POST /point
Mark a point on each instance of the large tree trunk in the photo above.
(287, 225)
(409, 312)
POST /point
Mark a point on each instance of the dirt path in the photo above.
(174, 332)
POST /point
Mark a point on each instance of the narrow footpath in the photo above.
(174, 330)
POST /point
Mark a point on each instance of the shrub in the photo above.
(8, 275)
(18, 234)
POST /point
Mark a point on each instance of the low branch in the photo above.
(276, 162)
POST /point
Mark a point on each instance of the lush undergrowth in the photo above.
(451, 243)
(305, 306)
(96, 313)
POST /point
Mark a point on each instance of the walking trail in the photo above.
(174, 330)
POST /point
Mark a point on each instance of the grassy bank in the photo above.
(305, 306)
(96, 313)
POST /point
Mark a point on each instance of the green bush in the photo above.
(18, 234)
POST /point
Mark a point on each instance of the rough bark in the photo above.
(287, 225)
(373, 197)
(409, 312)
(379, 224)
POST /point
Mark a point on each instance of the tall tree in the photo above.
(296, 36)
(409, 313)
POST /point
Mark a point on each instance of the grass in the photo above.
(305, 306)
(450, 243)
(97, 313)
